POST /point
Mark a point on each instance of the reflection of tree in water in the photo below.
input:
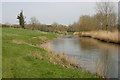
(106, 57)
(88, 44)
(105, 52)
(92, 44)
(104, 64)
(110, 64)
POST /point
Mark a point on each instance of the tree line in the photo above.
(104, 19)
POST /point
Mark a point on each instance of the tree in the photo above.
(54, 26)
(21, 19)
(119, 16)
(86, 23)
(106, 14)
(76, 26)
(33, 21)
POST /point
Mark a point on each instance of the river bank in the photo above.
(106, 36)
(24, 58)
(91, 55)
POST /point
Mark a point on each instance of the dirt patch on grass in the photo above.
(34, 37)
(40, 37)
(43, 37)
(36, 55)
(22, 42)
(18, 42)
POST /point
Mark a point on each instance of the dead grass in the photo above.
(61, 59)
(101, 35)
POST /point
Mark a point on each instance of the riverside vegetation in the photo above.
(103, 25)
(107, 36)
(23, 58)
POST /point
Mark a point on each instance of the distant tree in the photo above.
(33, 21)
(21, 19)
(69, 28)
(54, 26)
(7, 23)
(61, 28)
(76, 26)
(85, 23)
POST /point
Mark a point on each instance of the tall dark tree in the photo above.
(21, 19)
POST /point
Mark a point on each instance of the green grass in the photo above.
(70, 32)
(17, 64)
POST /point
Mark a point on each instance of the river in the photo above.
(94, 55)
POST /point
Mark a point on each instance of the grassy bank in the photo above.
(23, 58)
(101, 35)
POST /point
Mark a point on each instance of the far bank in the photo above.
(106, 36)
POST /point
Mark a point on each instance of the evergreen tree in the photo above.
(21, 19)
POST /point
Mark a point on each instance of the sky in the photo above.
(58, 0)
(0, 12)
(47, 12)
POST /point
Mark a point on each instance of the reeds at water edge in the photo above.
(107, 36)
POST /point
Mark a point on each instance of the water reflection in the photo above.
(106, 55)
(94, 55)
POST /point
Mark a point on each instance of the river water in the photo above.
(94, 55)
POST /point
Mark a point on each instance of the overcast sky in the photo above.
(47, 12)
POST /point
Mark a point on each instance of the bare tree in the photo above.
(34, 23)
(54, 25)
(33, 20)
(106, 13)
(118, 15)
(75, 26)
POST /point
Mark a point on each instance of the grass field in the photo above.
(17, 62)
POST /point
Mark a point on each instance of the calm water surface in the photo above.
(95, 56)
